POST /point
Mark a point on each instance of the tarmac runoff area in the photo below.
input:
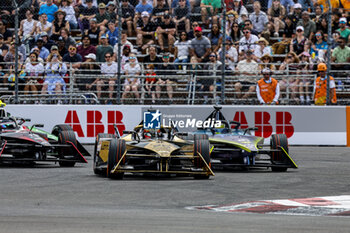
(313, 198)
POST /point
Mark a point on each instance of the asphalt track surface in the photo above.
(48, 198)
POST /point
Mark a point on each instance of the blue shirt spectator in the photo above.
(49, 9)
(143, 6)
(112, 36)
(175, 4)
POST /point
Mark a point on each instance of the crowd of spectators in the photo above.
(170, 37)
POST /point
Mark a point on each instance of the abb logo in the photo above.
(94, 124)
(262, 122)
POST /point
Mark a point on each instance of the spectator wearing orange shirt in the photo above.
(267, 89)
(320, 86)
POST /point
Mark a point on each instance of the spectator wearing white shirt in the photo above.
(132, 72)
(262, 49)
(43, 25)
(248, 41)
(109, 70)
(65, 5)
(33, 70)
(231, 54)
(182, 49)
(258, 18)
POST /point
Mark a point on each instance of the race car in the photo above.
(151, 151)
(22, 144)
(235, 147)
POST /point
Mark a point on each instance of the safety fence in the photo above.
(171, 84)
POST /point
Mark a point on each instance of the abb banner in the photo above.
(303, 125)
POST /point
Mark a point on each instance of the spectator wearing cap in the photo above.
(53, 52)
(210, 10)
(231, 54)
(66, 6)
(102, 17)
(59, 23)
(86, 75)
(258, 17)
(7, 35)
(142, 6)
(287, 4)
(112, 33)
(86, 14)
(62, 50)
(267, 88)
(182, 16)
(276, 15)
(166, 32)
(109, 70)
(262, 48)
(27, 26)
(296, 13)
(44, 52)
(248, 41)
(266, 62)
(68, 40)
(165, 72)
(300, 43)
(49, 9)
(306, 77)
(86, 48)
(247, 70)
(103, 48)
(94, 32)
(158, 12)
(308, 25)
(145, 32)
(128, 14)
(200, 46)
(111, 10)
(47, 42)
(132, 71)
(72, 58)
(43, 25)
(343, 30)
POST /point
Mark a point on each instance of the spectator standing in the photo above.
(320, 86)
(109, 70)
(290, 69)
(66, 6)
(132, 71)
(258, 17)
(267, 89)
(102, 49)
(308, 25)
(300, 43)
(200, 46)
(86, 48)
(248, 41)
(59, 23)
(49, 9)
(306, 66)
(86, 14)
(128, 14)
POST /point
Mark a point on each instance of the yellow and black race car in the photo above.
(151, 151)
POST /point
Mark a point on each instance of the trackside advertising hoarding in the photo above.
(303, 125)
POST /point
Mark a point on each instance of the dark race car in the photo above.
(150, 151)
(235, 147)
(22, 144)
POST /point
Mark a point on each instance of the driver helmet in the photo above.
(220, 129)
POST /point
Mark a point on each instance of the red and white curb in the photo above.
(316, 206)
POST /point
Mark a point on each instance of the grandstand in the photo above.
(171, 51)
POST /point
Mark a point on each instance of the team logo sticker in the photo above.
(152, 119)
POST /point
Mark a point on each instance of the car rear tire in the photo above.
(201, 146)
(57, 129)
(64, 137)
(201, 136)
(278, 157)
(94, 165)
(117, 148)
